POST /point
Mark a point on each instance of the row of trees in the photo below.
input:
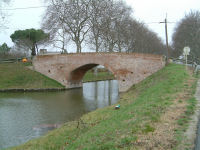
(6, 53)
(187, 33)
(104, 25)
(4, 49)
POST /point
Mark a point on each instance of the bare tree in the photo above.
(3, 13)
(62, 40)
(95, 22)
(106, 24)
(73, 14)
(187, 33)
(52, 24)
(112, 23)
(136, 37)
(69, 17)
(108, 27)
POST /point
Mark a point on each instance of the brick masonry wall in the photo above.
(128, 68)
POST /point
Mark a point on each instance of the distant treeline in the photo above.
(104, 26)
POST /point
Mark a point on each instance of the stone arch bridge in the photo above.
(69, 69)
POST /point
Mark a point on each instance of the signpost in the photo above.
(186, 52)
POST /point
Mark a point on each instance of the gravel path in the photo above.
(194, 128)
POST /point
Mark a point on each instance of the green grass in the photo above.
(184, 120)
(18, 76)
(107, 128)
(105, 75)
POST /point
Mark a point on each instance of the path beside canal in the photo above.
(193, 132)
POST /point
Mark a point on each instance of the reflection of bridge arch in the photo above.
(69, 69)
(102, 93)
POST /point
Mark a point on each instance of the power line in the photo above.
(23, 8)
(17, 28)
(157, 22)
(31, 7)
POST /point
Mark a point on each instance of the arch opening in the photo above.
(90, 72)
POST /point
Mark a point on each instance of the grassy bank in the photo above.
(102, 75)
(18, 76)
(153, 115)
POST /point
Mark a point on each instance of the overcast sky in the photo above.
(148, 11)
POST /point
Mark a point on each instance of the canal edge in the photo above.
(33, 90)
(194, 125)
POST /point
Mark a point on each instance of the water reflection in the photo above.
(24, 116)
(100, 94)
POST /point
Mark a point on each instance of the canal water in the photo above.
(24, 116)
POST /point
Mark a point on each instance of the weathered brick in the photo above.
(69, 69)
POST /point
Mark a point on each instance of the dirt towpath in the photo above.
(193, 132)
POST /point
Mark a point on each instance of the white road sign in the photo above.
(186, 50)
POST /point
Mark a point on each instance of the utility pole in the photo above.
(166, 37)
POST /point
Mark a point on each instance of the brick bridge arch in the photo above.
(77, 74)
(69, 69)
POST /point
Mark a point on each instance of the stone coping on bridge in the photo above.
(144, 55)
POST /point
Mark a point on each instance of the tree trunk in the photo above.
(33, 52)
(97, 45)
(64, 50)
(36, 48)
(78, 47)
(119, 47)
(111, 46)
